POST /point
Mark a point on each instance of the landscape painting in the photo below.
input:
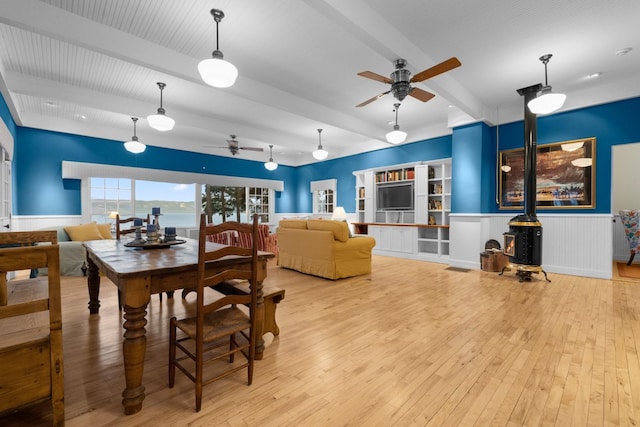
(565, 174)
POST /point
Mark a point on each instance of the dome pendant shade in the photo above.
(396, 136)
(134, 146)
(161, 121)
(320, 153)
(271, 165)
(546, 102)
(216, 71)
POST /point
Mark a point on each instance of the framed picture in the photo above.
(565, 174)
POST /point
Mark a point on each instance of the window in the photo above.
(176, 202)
(323, 196)
(136, 194)
(234, 202)
(258, 202)
(5, 189)
(129, 198)
(110, 195)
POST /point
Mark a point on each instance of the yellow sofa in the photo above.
(323, 248)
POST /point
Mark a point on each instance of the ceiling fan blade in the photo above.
(251, 148)
(442, 67)
(420, 94)
(373, 76)
(370, 100)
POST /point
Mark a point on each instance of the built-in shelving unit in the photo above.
(406, 208)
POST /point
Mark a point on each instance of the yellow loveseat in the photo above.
(323, 248)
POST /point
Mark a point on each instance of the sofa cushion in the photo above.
(293, 223)
(339, 229)
(105, 230)
(83, 232)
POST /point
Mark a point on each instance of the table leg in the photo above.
(133, 350)
(93, 284)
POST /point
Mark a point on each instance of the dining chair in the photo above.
(221, 327)
(631, 223)
(129, 230)
(31, 364)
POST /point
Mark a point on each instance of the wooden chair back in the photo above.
(221, 317)
(31, 366)
(130, 228)
(206, 256)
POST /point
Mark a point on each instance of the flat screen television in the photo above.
(395, 197)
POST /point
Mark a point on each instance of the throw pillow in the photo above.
(338, 228)
(105, 230)
(84, 232)
(293, 223)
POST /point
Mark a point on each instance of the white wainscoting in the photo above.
(579, 245)
(36, 222)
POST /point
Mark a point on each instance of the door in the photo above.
(5, 192)
(625, 193)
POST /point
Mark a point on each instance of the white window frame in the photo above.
(317, 187)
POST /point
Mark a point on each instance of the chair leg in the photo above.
(232, 345)
(633, 254)
(199, 374)
(172, 352)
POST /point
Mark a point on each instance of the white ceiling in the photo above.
(87, 67)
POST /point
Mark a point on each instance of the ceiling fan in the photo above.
(234, 147)
(400, 80)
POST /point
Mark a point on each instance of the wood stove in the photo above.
(523, 241)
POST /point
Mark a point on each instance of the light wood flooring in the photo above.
(414, 343)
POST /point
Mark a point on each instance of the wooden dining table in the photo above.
(140, 272)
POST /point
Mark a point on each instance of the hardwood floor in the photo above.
(414, 343)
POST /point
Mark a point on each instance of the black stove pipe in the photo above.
(530, 139)
(524, 239)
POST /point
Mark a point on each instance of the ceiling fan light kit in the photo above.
(271, 165)
(320, 153)
(161, 121)
(546, 102)
(216, 71)
(134, 146)
(396, 136)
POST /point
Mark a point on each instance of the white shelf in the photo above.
(421, 233)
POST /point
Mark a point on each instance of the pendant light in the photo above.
(546, 102)
(161, 121)
(216, 71)
(134, 146)
(396, 136)
(320, 153)
(271, 165)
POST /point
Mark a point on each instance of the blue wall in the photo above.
(37, 169)
(611, 124)
(342, 169)
(40, 190)
(5, 114)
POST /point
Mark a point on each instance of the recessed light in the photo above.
(594, 75)
(50, 104)
(623, 51)
(81, 117)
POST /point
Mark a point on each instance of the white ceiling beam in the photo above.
(373, 30)
(56, 23)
